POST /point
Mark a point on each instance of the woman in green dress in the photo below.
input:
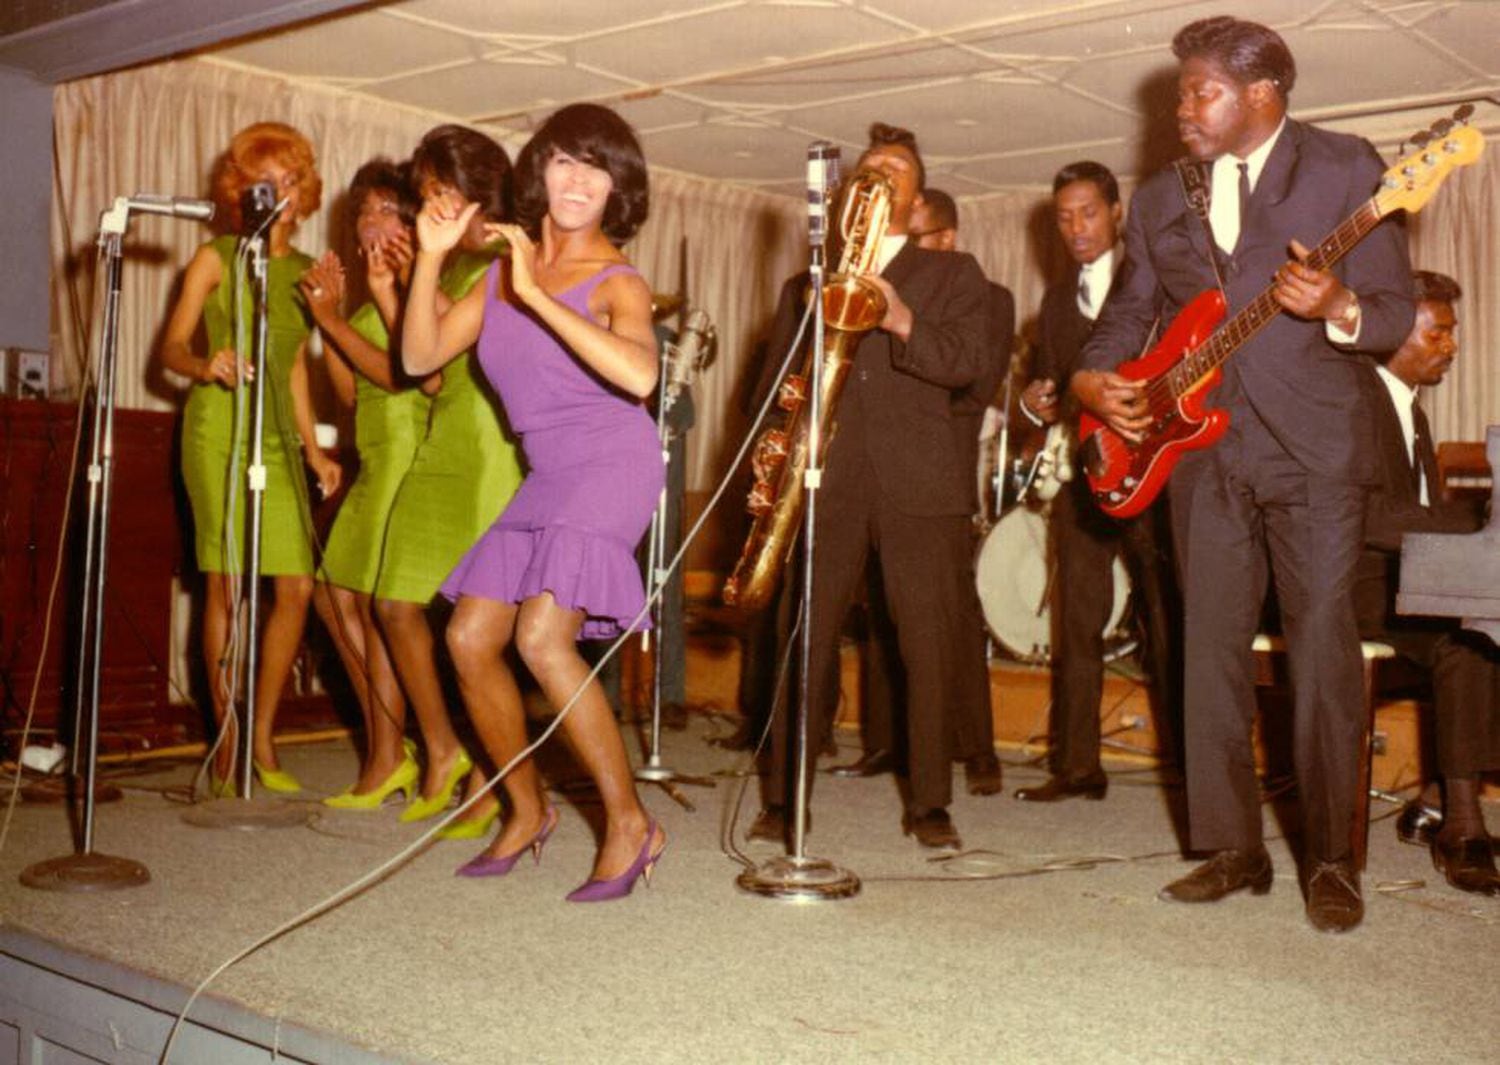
(464, 473)
(216, 423)
(390, 419)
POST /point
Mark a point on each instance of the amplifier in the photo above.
(24, 374)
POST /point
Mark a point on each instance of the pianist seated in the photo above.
(1465, 666)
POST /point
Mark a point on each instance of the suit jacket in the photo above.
(1302, 388)
(1062, 330)
(897, 407)
(969, 404)
(1393, 508)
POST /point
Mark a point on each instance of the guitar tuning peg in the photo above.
(1420, 138)
(1442, 126)
(1462, 114)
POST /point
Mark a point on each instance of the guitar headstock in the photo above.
(1409, 184)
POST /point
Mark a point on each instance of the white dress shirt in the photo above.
(1403, 398)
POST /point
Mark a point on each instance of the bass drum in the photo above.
(1013, 578)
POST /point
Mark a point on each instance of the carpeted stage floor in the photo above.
(1078, 964)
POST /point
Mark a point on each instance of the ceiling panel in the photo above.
(479, 89)
(362, 45)
(556, 19)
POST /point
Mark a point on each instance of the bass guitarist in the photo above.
(1282, 494)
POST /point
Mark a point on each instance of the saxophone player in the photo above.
(898, 486)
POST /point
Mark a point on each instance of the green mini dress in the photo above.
(388, 428)
(216, 486)
(462, 476)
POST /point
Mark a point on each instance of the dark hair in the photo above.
(1246, 51)
(595, 135)
(881, 134)
(382, 175)
(469, 161)
(941, 208)
(1088, 170)
(1431, 285)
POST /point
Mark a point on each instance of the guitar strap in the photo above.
(1197, 190)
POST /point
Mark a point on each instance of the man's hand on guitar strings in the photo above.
(1117, 401)
(1309, 293)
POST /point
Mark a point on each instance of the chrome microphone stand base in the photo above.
(653, 772)
(799, 879)
(250, 815)
(79, 873)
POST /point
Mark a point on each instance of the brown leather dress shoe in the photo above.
(1092, 785)
(772, 825)
(982, 774)
(1223, 874)
(1333, 899)
(1467, 864)
(1418, 823)
(933, 828)
(866, 765)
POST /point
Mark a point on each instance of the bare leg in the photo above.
(478, 635)
(217, 618)
(346, 615)
(546, 636)
(409, 639)
(278, 649)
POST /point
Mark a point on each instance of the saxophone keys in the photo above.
(793, 392)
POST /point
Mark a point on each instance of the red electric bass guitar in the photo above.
(1186, 365)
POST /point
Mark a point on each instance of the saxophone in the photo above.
(852, 306)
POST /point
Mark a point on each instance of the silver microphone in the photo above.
(694, 351)
(822, 175)
(175, 206)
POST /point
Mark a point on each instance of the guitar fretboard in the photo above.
(1233, 334)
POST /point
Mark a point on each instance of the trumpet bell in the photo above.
(852, 304)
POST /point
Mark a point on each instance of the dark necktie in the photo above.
(1244, 197)
(1084, 306)
(1425, 464)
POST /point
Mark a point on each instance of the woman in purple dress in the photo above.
(563, 325)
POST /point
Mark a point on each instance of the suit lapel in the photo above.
(1281, 166)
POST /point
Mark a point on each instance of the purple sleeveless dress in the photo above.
(595, 474)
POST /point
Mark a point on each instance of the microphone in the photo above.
(174, 206)
(258, 206)
(822, 175)
(694, 351)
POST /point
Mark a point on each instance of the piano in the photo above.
(1457, 575)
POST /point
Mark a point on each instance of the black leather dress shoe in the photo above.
(1333, 899)
(1223, 874)
(933, 829)
(867, 765)
(1418, 823)
(1467, 864)
(982, 774)
(1058, 787)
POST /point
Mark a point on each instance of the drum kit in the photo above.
(1021, 468)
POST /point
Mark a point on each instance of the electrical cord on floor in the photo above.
(401, 857)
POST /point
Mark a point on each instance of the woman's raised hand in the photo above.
(441, 224)
(522, 258)
(385, 259)
(323, 286)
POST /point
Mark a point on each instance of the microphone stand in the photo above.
(87, 869)
(654, 772)
(796, 876)
(247, 812)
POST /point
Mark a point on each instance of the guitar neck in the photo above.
(1233, 334)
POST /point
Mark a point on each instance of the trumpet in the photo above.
(852, 306)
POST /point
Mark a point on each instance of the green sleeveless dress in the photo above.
(463, 475)
(388, 427)
(214, 474)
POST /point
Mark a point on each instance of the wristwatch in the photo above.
(1350, 318)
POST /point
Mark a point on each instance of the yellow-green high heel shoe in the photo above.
(403, 778)
(471, 827)
(222, 788)
(277, 780)
(421, 808)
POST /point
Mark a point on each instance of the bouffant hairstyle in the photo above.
(1247, 51)
(382, 175)
(252, 148)
(598, 136)
(1431, 285)
(882, 134)
(1087, 170)
(468, 161)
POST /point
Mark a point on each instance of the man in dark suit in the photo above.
(1289, 477)
(1086, 207)
(895, 483)
(934, 226)
(1465, 665)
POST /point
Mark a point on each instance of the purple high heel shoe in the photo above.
(620, 886)
(484, 865)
